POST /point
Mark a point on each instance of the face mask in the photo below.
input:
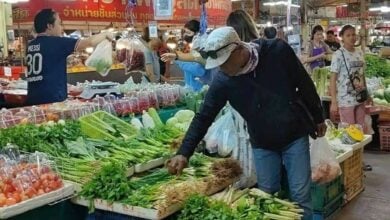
(253, 59)
(188, 38)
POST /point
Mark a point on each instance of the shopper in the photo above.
(270, 33)
(348, 80)
(244, 25)
(317, 49)
(152, 64)
(46, 58)
(331, 41)
(192, 64)
(276, 97)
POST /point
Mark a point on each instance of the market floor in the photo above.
(373, 202)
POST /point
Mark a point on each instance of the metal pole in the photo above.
(363, 28)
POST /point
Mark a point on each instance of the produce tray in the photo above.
(140, 212)
(38, 201)
(139, 168)
(347, 154)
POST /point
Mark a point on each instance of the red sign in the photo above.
(115, 10)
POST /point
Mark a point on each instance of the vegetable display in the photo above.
(182, 119)
(20, 180)
(234, 204)
(376, 66)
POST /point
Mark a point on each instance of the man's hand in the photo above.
(176, 164)
(321, 129)
(168, 57)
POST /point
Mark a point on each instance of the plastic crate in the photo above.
(330, 210)
(324, 194)
(384, 137)
(354, 189)
(352, 167)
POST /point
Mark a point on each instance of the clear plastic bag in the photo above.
(101, 58)
(324, 166)
(130, 52)
(222, 136)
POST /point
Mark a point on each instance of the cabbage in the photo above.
(172, 121)
(185, 116)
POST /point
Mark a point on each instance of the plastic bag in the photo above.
(368, 125)
(130, 52)
(101, 58)
(324, 166)
(222, 136)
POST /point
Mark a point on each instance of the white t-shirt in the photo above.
(346, 94)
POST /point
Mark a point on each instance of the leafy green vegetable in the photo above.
(376, 66)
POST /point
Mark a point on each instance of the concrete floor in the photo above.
(373, 202)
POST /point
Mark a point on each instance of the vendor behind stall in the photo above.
(46, 58)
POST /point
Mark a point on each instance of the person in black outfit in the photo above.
(331, 41)
(281, 108)
(270, 32)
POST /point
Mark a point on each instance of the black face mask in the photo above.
(188, 38)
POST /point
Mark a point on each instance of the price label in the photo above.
(153, 32)
(7, 71)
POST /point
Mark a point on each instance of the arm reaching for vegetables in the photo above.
(94, 40)
(215, 100)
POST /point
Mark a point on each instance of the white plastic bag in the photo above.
(324, 166)
(101, 58)
(368, 125)
(214, 137)
(228, 136)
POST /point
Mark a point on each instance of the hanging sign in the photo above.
(153, 32)
(171, 11)
(163, 9)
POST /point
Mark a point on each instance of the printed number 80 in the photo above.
(34, 64)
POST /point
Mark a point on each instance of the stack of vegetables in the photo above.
(247, 204)
(21, 180)
(320, 78)
(382, 96)
(80, 155)
(377, 67)
(158, 189)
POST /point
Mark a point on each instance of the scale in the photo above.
(99, 88)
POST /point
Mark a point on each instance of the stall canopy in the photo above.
(115, 10)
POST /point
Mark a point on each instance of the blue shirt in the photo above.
(193, 70)
(46, 69)
(151, 57)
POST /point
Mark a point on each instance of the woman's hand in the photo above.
(334, 109)
(168, 57)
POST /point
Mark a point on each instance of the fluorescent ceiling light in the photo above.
(386, 22)
(14, 1)
(333, 21)
(280, 3)
(345, 5)
(383, 9)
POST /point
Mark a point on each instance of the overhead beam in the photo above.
(323, 3)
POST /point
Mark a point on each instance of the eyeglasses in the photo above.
(213, 53)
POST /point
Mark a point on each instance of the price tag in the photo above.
(153, 29)
(7, 71)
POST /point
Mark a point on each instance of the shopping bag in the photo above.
(130, 51)
(214, 136)
(101, 58)
(324, 165)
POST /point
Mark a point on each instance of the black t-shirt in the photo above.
(333, 45)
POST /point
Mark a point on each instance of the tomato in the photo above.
(23, 197)
(53, 185)
(17, 197)
(8, 188)
(37, 184)
(2, 195)
(47, 189)
(43, 177)
(31, 192)
(10, 201)
(50, 176)
(45, 183)
(40, 192)
(3, 200)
